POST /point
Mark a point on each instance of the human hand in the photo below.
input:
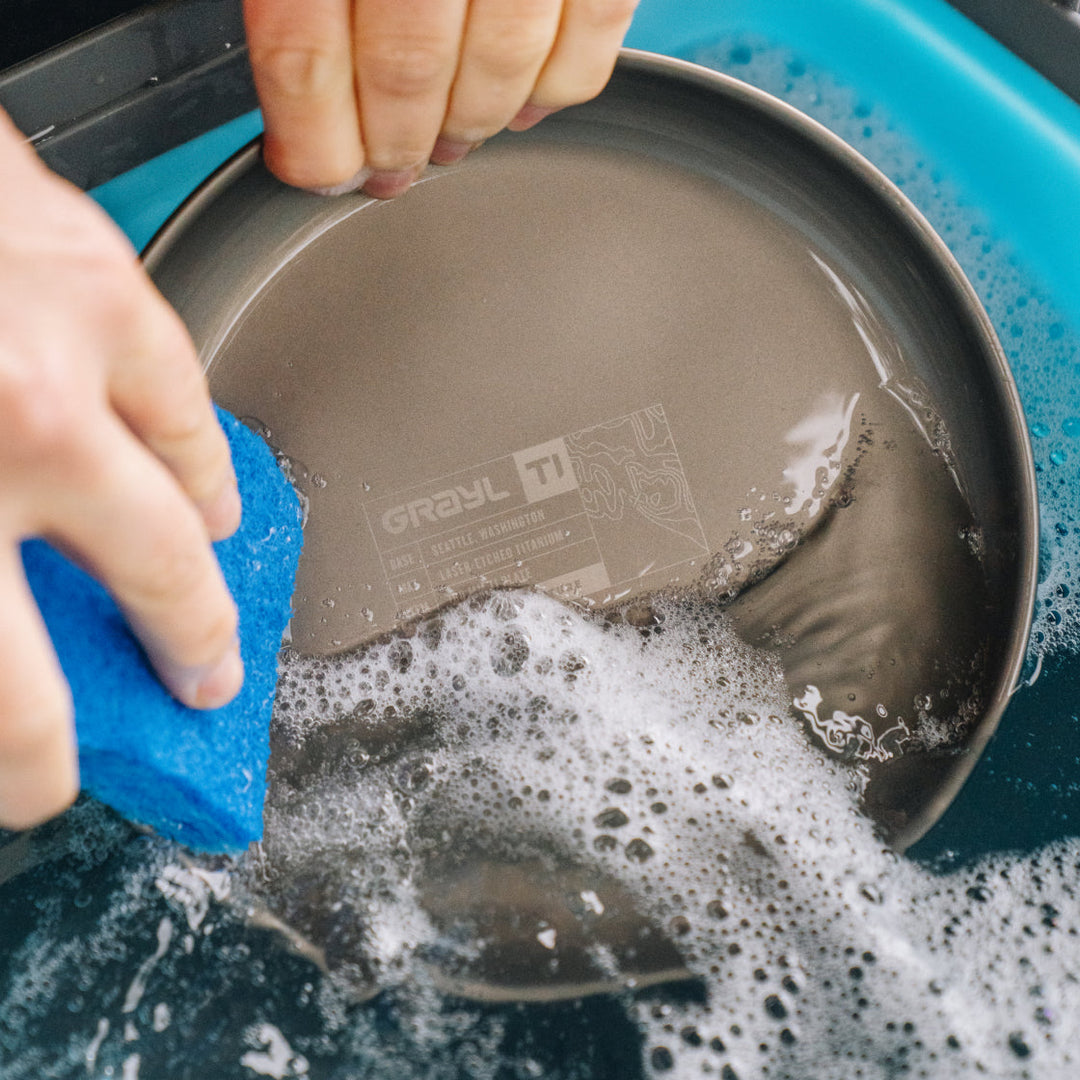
(363, 93)
(109, 448)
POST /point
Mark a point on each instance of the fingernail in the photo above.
(220, 684)
(222, 513)
(390, 183)
(450, 152)
(529, 116)
(354, 183)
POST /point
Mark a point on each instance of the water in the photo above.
(1042, 347)
(612, 816)
(1025, 791)
(802, 947)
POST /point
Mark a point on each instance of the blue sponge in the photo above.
(198, 777)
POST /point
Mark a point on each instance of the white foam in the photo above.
(822, 952)
(547, 731)
(276, 1059)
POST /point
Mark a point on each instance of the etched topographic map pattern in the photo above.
(586, 515)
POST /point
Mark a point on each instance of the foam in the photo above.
(811, 919)
(809, 939)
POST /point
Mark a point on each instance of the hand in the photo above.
(366, 92)
(110, 449)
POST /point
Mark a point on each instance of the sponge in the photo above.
(194, 776)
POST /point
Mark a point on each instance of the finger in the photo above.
(406, 55)
(504, 50)
(157, 386)
(38, 762)
(584, 56)
(129, 524)
(301, 57)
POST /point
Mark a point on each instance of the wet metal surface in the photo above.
(677, 340)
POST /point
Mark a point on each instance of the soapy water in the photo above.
(1026, 788)
(1042, 346)
(521, 799)
(613, 817)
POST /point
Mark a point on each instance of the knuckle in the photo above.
(210, 638)
(43, 414)
(175, 411)
(558, 92)
(586, 90)
(299, 72)
(184, 440)
(221, 630)
(122, 301)
(508, 50)
(172, 571)
(179, 593)
(404, 67)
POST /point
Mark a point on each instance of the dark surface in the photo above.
(103, 103)
(31, 26)
(1046, 35)
(1024, 792)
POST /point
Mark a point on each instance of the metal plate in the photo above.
(679, 338)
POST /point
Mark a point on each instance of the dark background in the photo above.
(1033, 28)
(29, 26)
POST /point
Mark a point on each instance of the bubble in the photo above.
(1018, 1045)
(639, 850)
(611, 818)
(509, 652)
(775, 1007)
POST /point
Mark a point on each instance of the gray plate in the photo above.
(680, 338)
